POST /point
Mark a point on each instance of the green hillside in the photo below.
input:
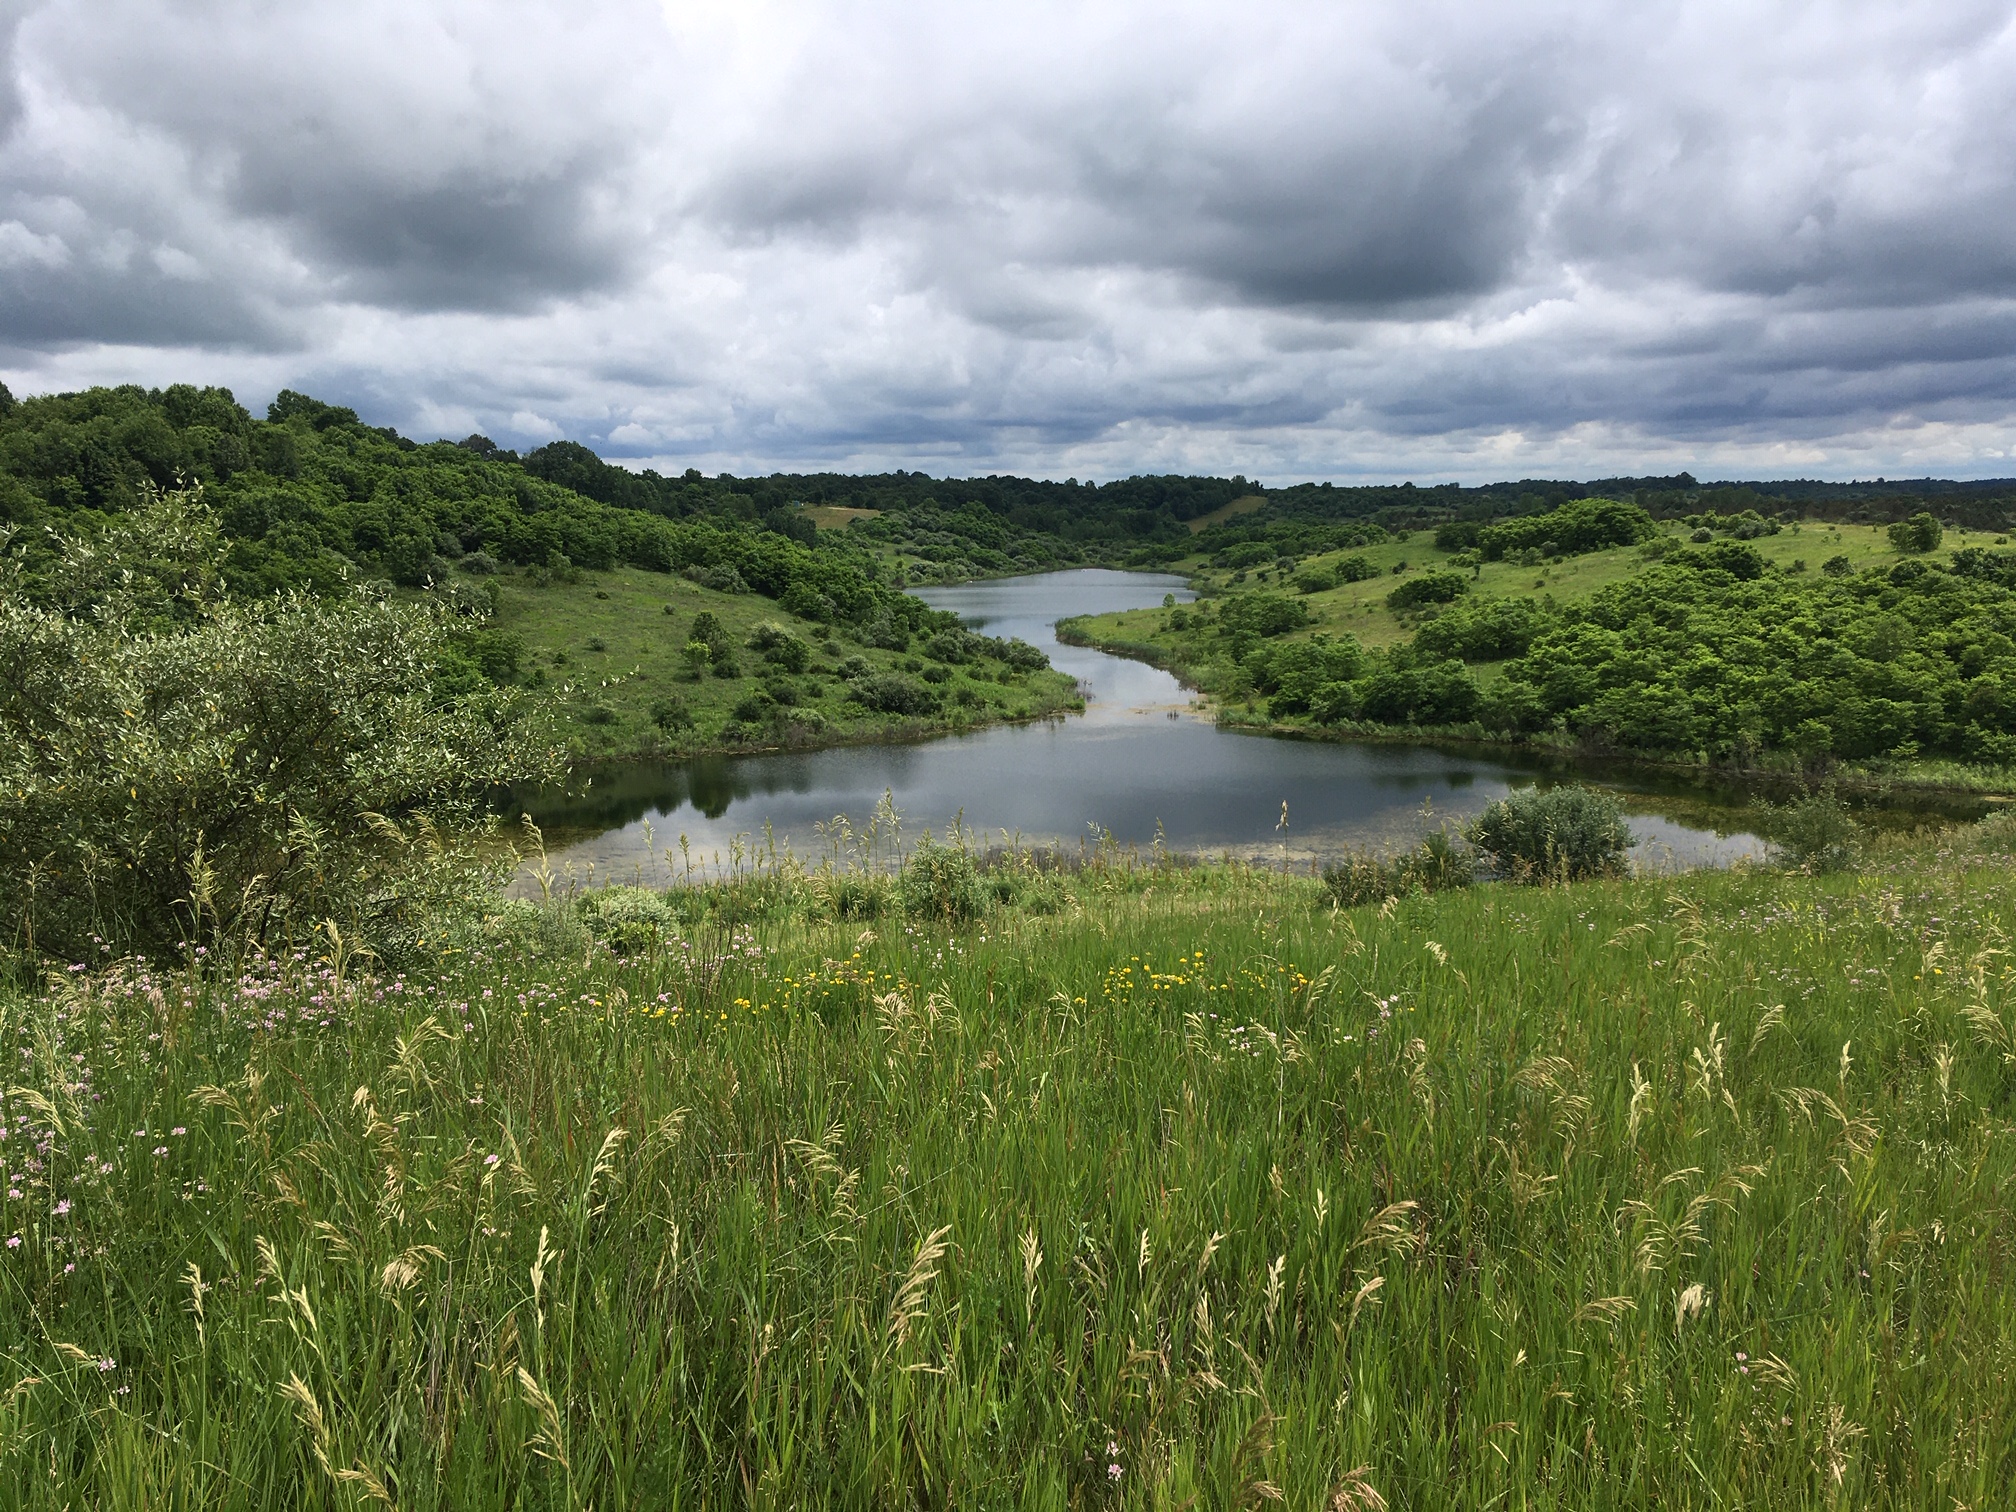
(1735, 639)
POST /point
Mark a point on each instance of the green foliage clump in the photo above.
(780, 647)
(1428, 588)
(1435, 865)
(1301, 676)
(628, 920)
(895, 693)
(1553, 834)
(1482, 630)
(941, 883)
(1816, 834)
(1260, 614)
(179, 764)
(1582, 525)
(1403, 689)
(1920, 533)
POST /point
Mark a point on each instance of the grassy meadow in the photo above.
(1150, 1187)
(611, 646)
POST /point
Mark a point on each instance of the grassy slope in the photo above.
(1688, 1193)
(643, 664)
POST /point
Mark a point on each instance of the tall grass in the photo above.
(1194, 1192)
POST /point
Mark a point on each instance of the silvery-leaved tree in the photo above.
(178, 765)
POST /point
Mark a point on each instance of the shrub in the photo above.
(1435, 865)
(1574, 528)
(671, 714)
(1482, 630)
(1262, 614)
(1019, 654)
(753, 709)
(1556, 833)
(1354, 569)
(1316, 580)
(854, 895)
(941, 882)
(179, 765)
(893, 693)
(480, 564)
(1837, 566)
(1432, 693)
(599, 714)
(722, 579)
(1816, 834)
(1743, 562)
(629, 920)
(1428, 588)
(1919, 533)
(780, 647)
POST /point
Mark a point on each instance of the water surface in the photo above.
(1138, 764)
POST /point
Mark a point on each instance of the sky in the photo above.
(1438, 240)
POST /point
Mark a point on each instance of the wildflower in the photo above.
(63, 1207)
(14, 1242)
(178, 1130)
(489, 1160)
(107, 1364)
(160, 1149)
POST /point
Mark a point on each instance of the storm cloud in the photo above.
(1430, 240)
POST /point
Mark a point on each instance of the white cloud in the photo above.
(1393, 239)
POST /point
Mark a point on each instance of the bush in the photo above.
(1816, 834)
(1428, 588)
(599, 714)
(893, 693)
(1435, 865)
(753, 709)
(671, 714)
(1020, 655)
(854, 896)
(1918, 534)
(1354, 569)
(780, 647)
(1574, 528)
(1557, 833)
(181, 766)
(941, 882)
(1482, 630)
(1837, 566)
(629, 920)
(1261, 614)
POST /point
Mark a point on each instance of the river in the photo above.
(1138, 764)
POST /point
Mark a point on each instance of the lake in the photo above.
(1137, 764)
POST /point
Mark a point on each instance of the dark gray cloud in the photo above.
(1435, 238)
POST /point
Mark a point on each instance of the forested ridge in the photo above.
(311, 483)
(1708, 648)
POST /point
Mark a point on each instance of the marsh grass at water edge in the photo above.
(1182, 1188)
